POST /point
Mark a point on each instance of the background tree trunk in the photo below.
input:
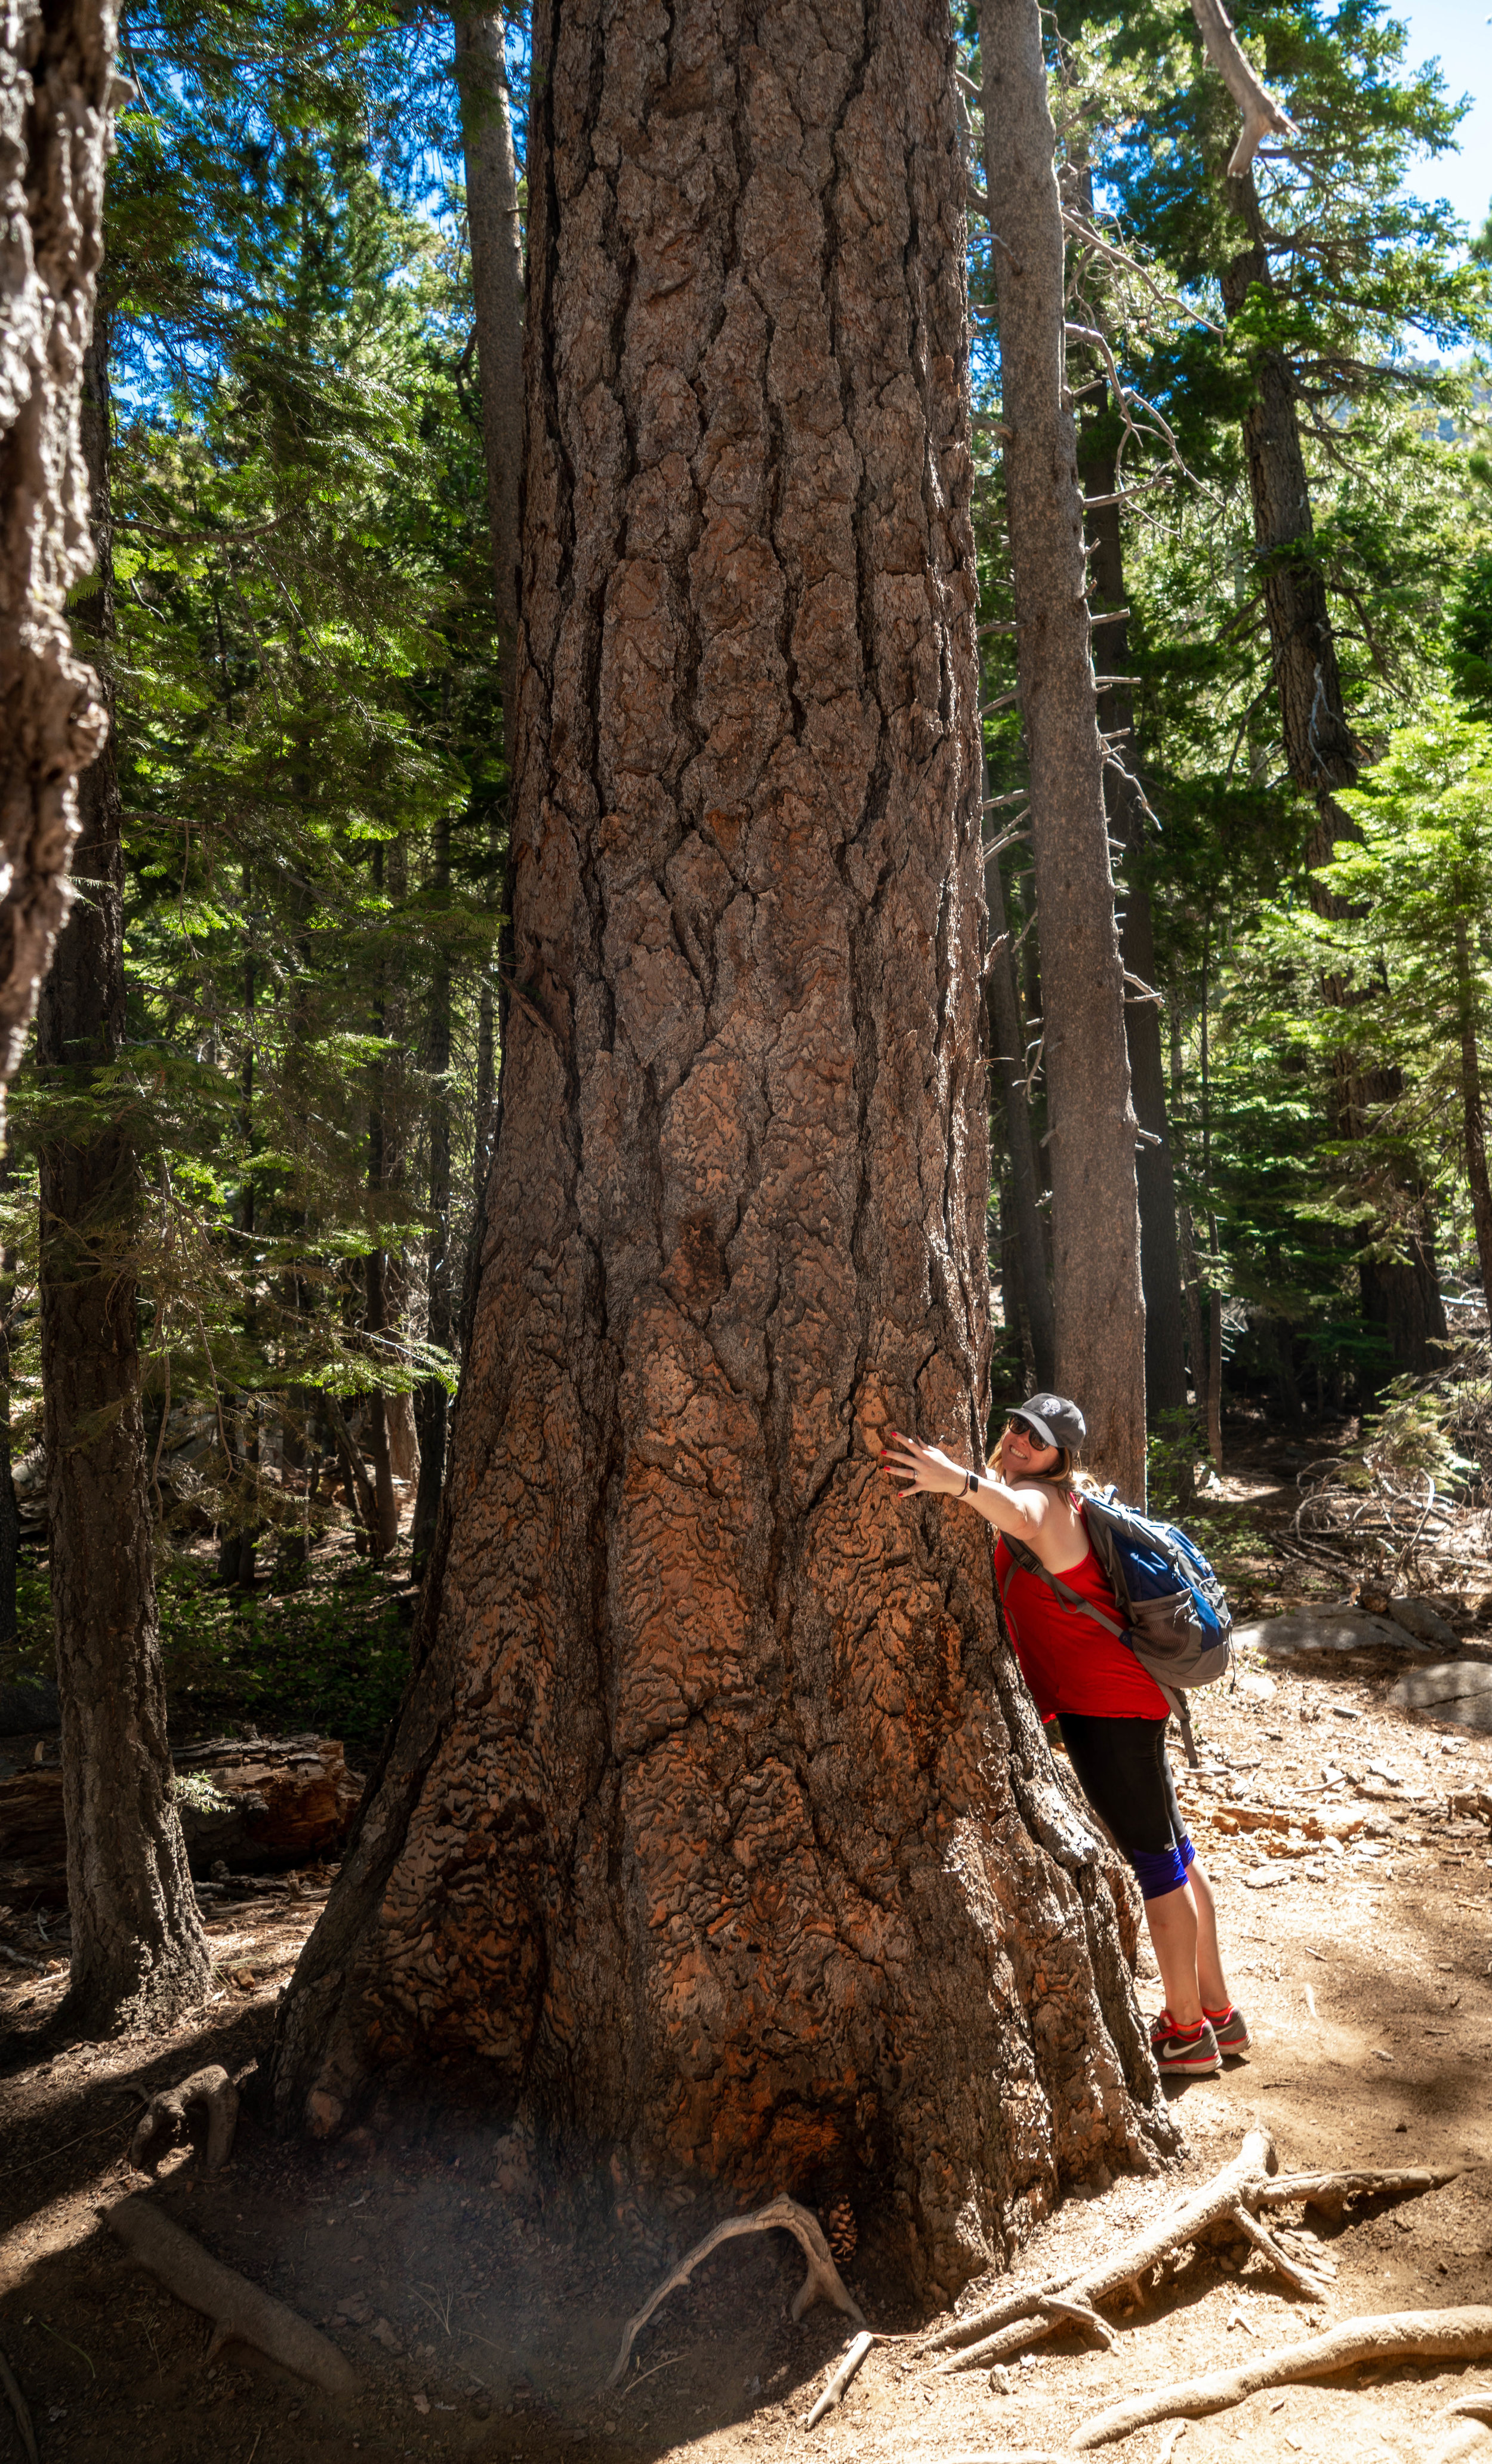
(1160, 1259)
(497, 239)
(1401, 1295)
(432, 1404)
(1007, 1037)
(1100, 1313)
(1473, 1113)
(138, 1953)
(717, 1831)
(56, 119)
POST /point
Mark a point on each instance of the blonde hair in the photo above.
(1066, 1471)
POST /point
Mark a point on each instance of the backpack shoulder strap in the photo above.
(1021, 1555)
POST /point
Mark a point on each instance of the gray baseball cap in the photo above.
(1057, 1422)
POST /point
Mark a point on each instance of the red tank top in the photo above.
(1069, 1662)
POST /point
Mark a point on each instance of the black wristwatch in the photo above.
(971, 1481)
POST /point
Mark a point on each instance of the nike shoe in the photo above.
(1184, 2053)
(1231, 2033)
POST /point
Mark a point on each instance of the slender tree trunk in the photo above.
(404, 1445)
(1007, 1039)
(1160, 1262)
(1186, 1244)
(491, 184)
(1472, 1113)
(1100, 1311)
(384, 1533)
(1322, 755)
(718, 1833)
(10, 1510)
(138, 1953)
(56, 119)
(431, 1403)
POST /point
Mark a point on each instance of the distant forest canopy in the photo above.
(304, 658)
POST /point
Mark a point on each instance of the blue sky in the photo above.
(1456, 32)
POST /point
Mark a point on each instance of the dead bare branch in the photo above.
(823, 2280)
(1262, 114)
(20, 2407)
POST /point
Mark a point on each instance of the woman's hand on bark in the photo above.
(926, 1469)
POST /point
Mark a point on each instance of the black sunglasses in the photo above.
(1024, 1429)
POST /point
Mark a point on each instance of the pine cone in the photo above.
(839, 2231)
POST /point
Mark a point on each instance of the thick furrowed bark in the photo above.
(56, 99)
(708, 1831)
(1100, 1313)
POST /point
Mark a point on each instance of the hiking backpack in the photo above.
(1176, 1618)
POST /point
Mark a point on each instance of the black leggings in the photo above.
(1124, 1774)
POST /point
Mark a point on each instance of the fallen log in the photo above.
(165, 2120)
(1395, 2335)
(1232, 2199)
(265, 1801)
(823, 2278)
(237, 2308)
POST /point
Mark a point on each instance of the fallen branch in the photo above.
(1232, 2198)
(20, 2407)
(1396, 2336)
(841, 2380)
(167, 2116)
(236, 2307)
(823, 2278)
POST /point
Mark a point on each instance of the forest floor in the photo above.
(483, 2319)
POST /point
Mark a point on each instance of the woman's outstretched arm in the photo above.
(928, 1472)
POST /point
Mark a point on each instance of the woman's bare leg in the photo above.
(1183, 1926)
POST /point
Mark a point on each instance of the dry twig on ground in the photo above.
(1230, 2202)
(822, 2277)
(236, 2307)
(1396, 2336)
(19, 2406)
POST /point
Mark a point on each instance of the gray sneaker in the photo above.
(1231, 2033)
(1184, 2053)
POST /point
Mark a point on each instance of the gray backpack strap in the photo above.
(1027, 1557)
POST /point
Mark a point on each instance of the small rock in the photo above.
(1344, 1711)
(422, 2401)
(382, 2334)
(1001, 2382)
(1458, 1689)
(1425, 1623)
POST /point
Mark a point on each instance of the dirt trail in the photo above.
(483, 2321)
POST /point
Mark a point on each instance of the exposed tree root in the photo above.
(236, 2307)
(1396, 2336)
(822, 2277)
(1470, 2433)
(1230, 2201)
(165, 2120)
(19, 2406)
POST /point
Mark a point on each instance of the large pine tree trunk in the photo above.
(717, 1831)
(138, 1953)
(56, 98)
(1402, 1296)
(1100, 1311)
